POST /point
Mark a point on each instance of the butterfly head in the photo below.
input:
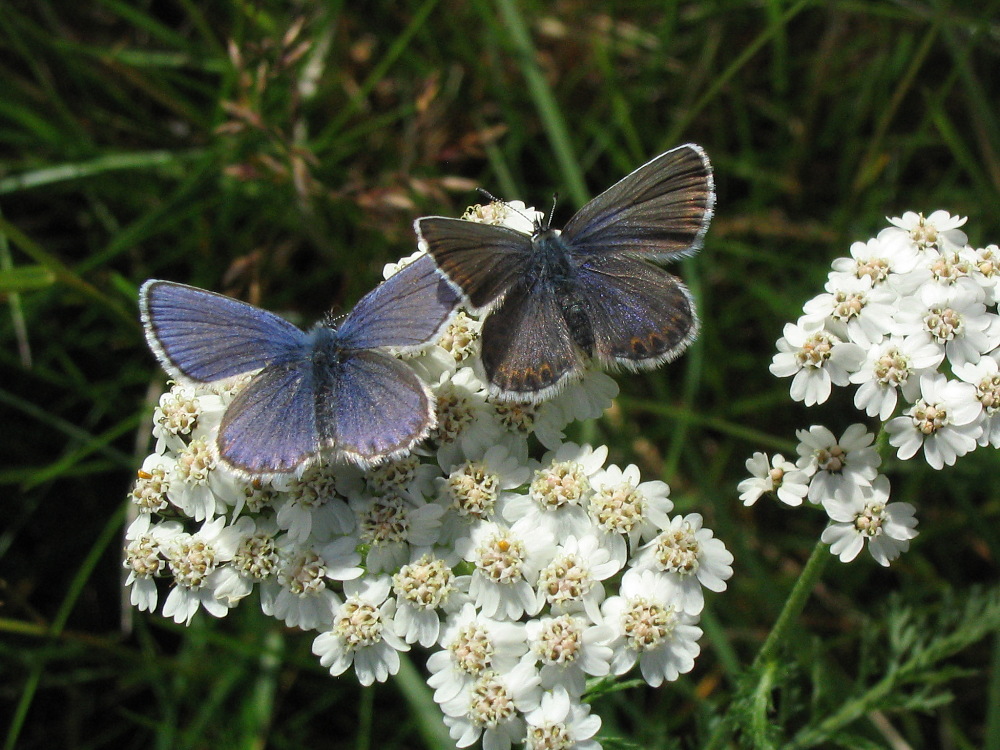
(323, 337)
(543, 226)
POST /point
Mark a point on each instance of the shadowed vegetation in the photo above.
(280, 151)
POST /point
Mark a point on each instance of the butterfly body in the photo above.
(332, 390)
(555, 273)
(556, 300)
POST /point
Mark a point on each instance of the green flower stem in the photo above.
(763, 663)
(794, 605)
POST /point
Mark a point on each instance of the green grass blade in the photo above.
(64, 274)
(98, 166)
(25, 279)
(545, 102)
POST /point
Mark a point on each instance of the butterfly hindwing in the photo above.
(483, 260)
(270, 427)
(527, 346)
(660, 210)
(376, 407)
(406, 310)
(640, 315)
(203, 336)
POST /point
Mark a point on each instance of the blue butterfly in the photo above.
(328, 390)
(555, 299)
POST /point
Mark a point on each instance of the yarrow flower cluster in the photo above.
(523, 577)
(911, 319)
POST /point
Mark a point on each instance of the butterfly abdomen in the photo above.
(577, 319)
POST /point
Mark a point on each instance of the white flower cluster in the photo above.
(911, 319)
(522, 577)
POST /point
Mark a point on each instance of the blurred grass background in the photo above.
(279, 152)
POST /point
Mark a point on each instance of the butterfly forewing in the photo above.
(660, 210)
(204, 336)
(640, 315)
(270, 427)
(527, 347)
(376, 407)
(408, 309)
(483, 260)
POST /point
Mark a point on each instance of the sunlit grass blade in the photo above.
(97, 166)
(25, 279)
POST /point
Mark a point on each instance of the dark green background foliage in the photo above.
(279, 151)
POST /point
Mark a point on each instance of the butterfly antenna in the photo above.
(494, 199)
(487, 194)
(332, 319)
(552, 212)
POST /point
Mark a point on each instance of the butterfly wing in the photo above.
(660, 210)
(483, 260)
(376, 407)
(202, 336)
(270, 427)
(527, 347)
(640, 315)
(408, 309)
